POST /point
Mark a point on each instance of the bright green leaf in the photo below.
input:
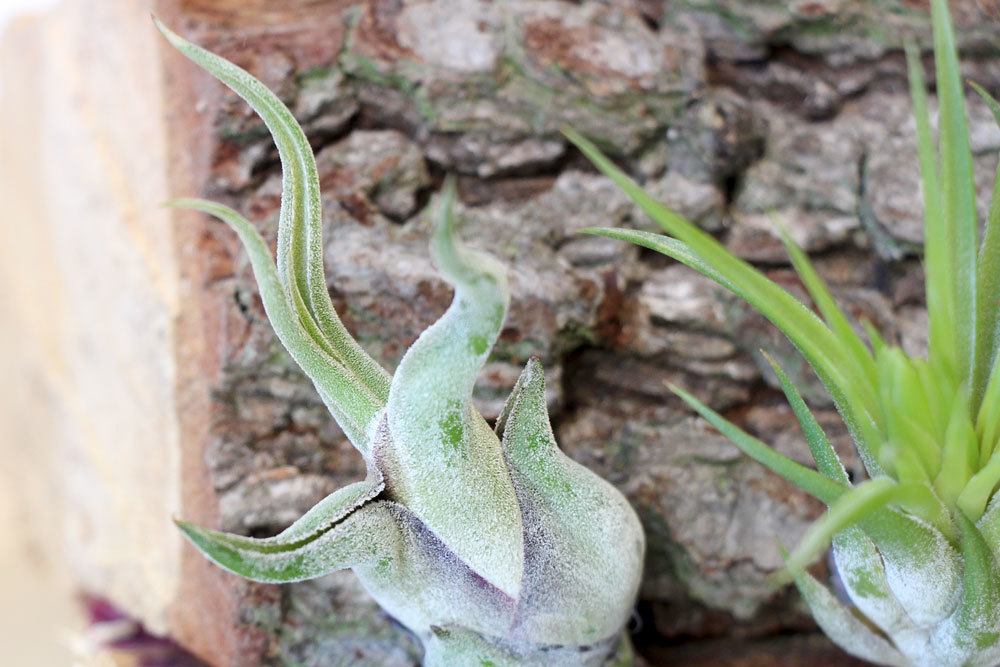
(823, 453)
(805, 478)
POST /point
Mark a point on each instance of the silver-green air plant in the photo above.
(489, 544)
(916, 545)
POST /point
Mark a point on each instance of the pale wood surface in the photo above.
(38, 614)
(99, 391)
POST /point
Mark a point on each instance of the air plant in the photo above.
(489, 544)
(917, 545)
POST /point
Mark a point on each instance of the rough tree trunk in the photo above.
(144, 379)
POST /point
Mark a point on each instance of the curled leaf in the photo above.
(446, 460)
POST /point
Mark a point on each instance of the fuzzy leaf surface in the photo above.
(843, 627)
(354, 408)
(583, 544)
(300, 244)
(446, 463)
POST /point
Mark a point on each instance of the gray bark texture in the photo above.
(732, 112)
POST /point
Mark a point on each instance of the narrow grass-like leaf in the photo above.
(940, 281)
(958, 185)
(353, 406)
(806, 331)
(854, 347)
(989, 100)
(988, 283)
(807, 479)
(859, 421)
(874, 337)
(823, 453)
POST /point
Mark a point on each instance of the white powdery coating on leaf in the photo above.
(863, 575)
(436, 531)
(925, 577)
(987, 658)
(862, 572)
(989, 526)
(363, 536)
(583, 543)
(333, 508)
(840, 625)
(963, 638)
(449, 469)
(422, 583)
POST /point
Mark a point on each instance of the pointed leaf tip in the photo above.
(524, 421)
(822, 451)
(171, 36)
(368, 533)
(355, 387)
(347, 398)
(807, 479)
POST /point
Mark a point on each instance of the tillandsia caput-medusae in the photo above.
(491, 545)
(917, 546)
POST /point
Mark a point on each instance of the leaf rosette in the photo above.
(488, 543)
(916, 545)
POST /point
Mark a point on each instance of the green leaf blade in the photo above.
(849, 402)
(300, 244)
(364, 536)
(353, 406)
(958, 184)
(787, 313)
(805, 478)
(822, 451)
(940, 282)
(854, 348)
(988, 284)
